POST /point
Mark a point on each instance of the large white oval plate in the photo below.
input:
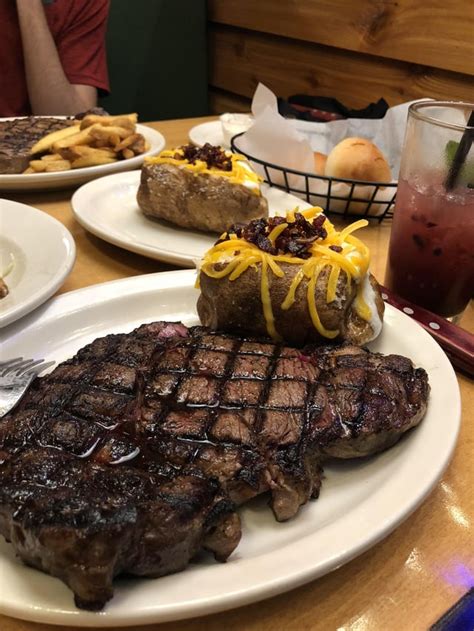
(65, 179)
(108, 208)
(360, 502)
(42, 251)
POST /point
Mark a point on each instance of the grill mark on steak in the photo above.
(255, 466)
(130, 456)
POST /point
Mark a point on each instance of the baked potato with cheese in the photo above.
(203, 188)
(248, 290)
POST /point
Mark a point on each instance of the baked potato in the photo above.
(309, 296)
(203, 188)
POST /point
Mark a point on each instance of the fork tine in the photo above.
(18, 375)
(8, 362)
(14, 366)
(28, 366)
(37, 367)
(19, 369)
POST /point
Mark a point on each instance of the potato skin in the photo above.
(196, 201)
(236, 306)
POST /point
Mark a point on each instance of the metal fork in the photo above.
(15, 378)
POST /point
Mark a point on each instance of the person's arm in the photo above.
(49, 90)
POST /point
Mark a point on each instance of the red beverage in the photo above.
(431, 255)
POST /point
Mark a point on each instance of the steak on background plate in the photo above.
(131, 456)
(17, 137)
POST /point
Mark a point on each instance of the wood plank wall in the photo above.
(355, 51)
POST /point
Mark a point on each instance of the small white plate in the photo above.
(361, 502)
(42, 251)
(65, 179)
(108, 208)
(212, 132)
(207, 132)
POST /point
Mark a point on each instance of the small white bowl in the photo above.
(233, 124)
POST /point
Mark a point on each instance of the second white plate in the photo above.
(41, 251)
(65, 179)
(108, 208)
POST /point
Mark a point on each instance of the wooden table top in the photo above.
(407, 581)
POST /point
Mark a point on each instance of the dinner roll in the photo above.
(319, 162)
(358, 159)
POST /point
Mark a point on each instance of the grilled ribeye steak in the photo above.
(17, 137)
(130, 456)
(364, 401)
(85, 522)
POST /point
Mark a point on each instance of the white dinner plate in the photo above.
(74, 177)
(207, 132)
(360, 502)
(40, 252)
(108, 208)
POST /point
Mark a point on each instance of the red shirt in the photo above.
(78, 28)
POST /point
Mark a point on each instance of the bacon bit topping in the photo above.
(296, 239)
(214, 157)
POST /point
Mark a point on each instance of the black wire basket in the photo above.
(376, 201)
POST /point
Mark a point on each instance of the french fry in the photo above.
(138, 142)
(80, 138)
(84, 151)
(100, 143)
(134, 142)
(94, 141)
(126, 142)
(57, 165)
(51, 157)
(90, 161)
(138, 145)
(129, 122)
(38, 166)
(102, 133)
(122, 120)
(45, 143)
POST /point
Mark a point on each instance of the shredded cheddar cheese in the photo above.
(276, 232)
(351, 258)
(241, 172)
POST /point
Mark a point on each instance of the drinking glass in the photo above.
(431, 252)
